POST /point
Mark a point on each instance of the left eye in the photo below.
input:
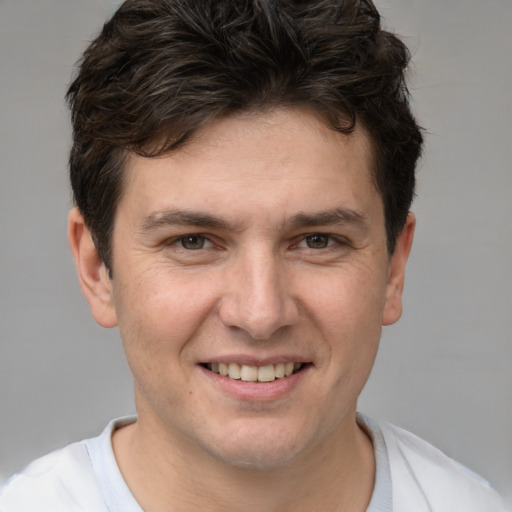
(194, 242)
(316, 241)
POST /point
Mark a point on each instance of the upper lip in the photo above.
(250, 360)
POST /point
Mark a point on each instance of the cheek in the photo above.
(347, 301)
(159, 315)
(347, 310)
(158, 323)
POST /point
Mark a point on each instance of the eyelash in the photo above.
(326, 238)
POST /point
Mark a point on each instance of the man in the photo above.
(243, 173)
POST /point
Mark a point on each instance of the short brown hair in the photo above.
(161, 69)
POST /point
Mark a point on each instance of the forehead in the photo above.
(282, 161)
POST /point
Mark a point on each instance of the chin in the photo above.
(255, 459)
(258, 448)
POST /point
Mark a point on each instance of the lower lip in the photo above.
(256, 391)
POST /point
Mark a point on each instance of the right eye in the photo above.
(318, 241)
(194, 242)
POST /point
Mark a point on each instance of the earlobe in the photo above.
(398, 261)
(92, 274)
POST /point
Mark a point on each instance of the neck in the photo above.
(336, 475)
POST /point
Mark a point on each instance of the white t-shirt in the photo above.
(411, 476)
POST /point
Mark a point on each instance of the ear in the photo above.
(93, 275)
(398, 260)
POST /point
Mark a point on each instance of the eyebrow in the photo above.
(176, 217)
(329, 218)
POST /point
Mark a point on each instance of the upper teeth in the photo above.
(250, 373)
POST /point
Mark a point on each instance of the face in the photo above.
(259, 250)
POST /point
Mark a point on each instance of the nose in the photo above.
(258, 298)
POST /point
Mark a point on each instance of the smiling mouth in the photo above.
(249, 373)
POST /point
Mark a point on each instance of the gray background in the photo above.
(443, 372)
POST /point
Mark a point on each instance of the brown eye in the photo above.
(317, 241)
(193, 242)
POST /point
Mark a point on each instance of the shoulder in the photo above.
(422, 472)
(60, 481)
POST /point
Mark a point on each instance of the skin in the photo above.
(262, 240)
